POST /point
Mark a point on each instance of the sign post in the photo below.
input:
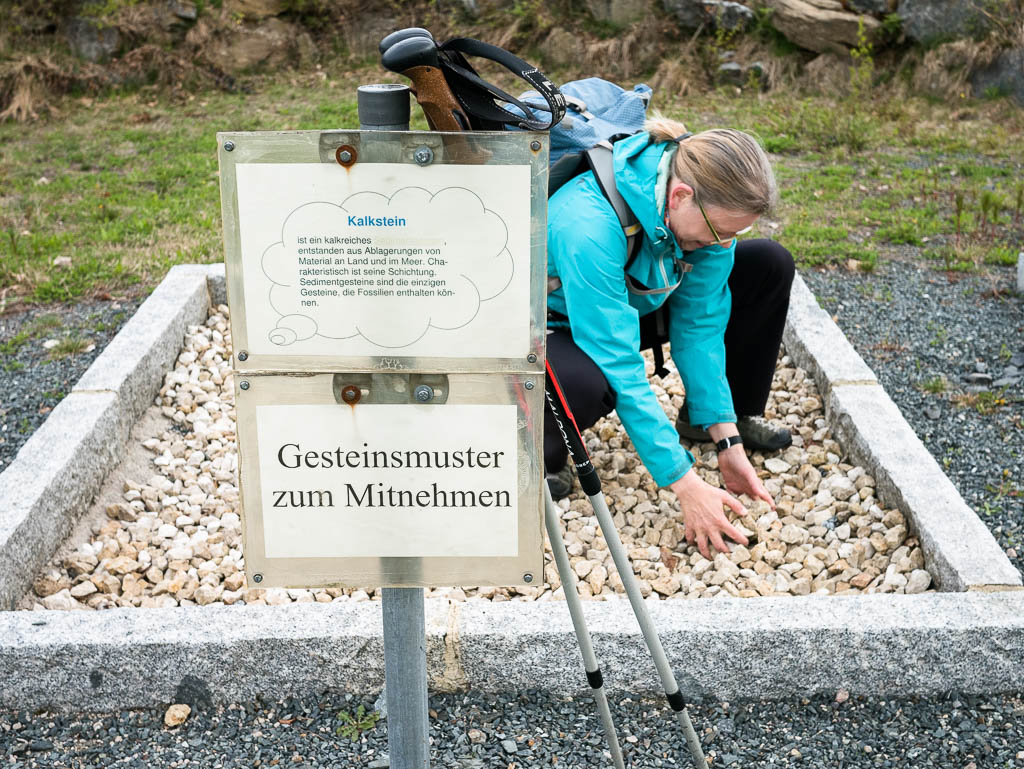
(383, 108)
(387, 293)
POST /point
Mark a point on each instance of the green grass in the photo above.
(935, 385)
(68, 346)
(126, 185)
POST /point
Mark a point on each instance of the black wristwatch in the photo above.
(732, 440)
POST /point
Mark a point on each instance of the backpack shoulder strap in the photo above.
(599, 157)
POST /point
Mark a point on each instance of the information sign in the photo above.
(438, 266)
(388, 329)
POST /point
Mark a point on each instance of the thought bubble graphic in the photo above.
(388, 269)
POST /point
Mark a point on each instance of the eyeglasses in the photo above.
(711, 227)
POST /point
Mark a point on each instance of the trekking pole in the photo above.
(591, 484)
(552, 521)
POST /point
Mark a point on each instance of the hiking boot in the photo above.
(758, 433)
(560, 483)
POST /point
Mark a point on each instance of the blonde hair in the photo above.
(727, 168)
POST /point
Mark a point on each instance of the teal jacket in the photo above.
(587, 252)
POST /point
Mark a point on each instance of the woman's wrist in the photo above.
(723, 430)
(687, 482)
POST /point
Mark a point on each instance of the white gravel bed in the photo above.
(175, 538)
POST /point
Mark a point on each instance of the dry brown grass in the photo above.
(944, 70)
(28, 86)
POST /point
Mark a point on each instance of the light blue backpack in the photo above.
(598, 113)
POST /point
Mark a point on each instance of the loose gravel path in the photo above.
(478, 731)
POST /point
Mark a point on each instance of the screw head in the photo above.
(531, 358)
(424, 393)
(529, 385)
(534, 146)
(243, 355)
(257, 577)
(423, 156)
(229, 146)
(527, 578)
(243, 385)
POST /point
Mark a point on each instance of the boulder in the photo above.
(182, 9)
(254, 9)
(561, 48)
(363, 33)
(1005, 75)
(880, 7)
(709, 14)
(828, 73)
(935, 21)
(90, 39)
(821, 25)
(271, 43)
(618, 12)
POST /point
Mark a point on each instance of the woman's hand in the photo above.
(739, 475)
(703, 516)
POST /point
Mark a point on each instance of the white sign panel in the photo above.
(385, 259)
(388, 481)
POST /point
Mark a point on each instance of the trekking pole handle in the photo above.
(443, 112)
(563, 417)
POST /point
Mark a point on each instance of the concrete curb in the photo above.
(720, 650)
(62, 466)
(881, 645)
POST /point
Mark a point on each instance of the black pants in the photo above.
(759, 284)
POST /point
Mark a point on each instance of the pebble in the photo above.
(176, 715)
(175, 539)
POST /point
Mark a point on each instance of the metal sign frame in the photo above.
(318, 389)
(281, 379)
(402, 147)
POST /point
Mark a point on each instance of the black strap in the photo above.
(725, 443)
(478, 96)
(654, 334)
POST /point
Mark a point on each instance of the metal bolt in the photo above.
(257, 577)
(244, 385)
(424, 393)
(534, 146)
(529, 385)
(351, 394)
(229, 146)
(424, 156)
(243, 355)
(527, 578)
(531, 358)
(345, 155)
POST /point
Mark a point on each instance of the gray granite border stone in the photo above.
(879, 645)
